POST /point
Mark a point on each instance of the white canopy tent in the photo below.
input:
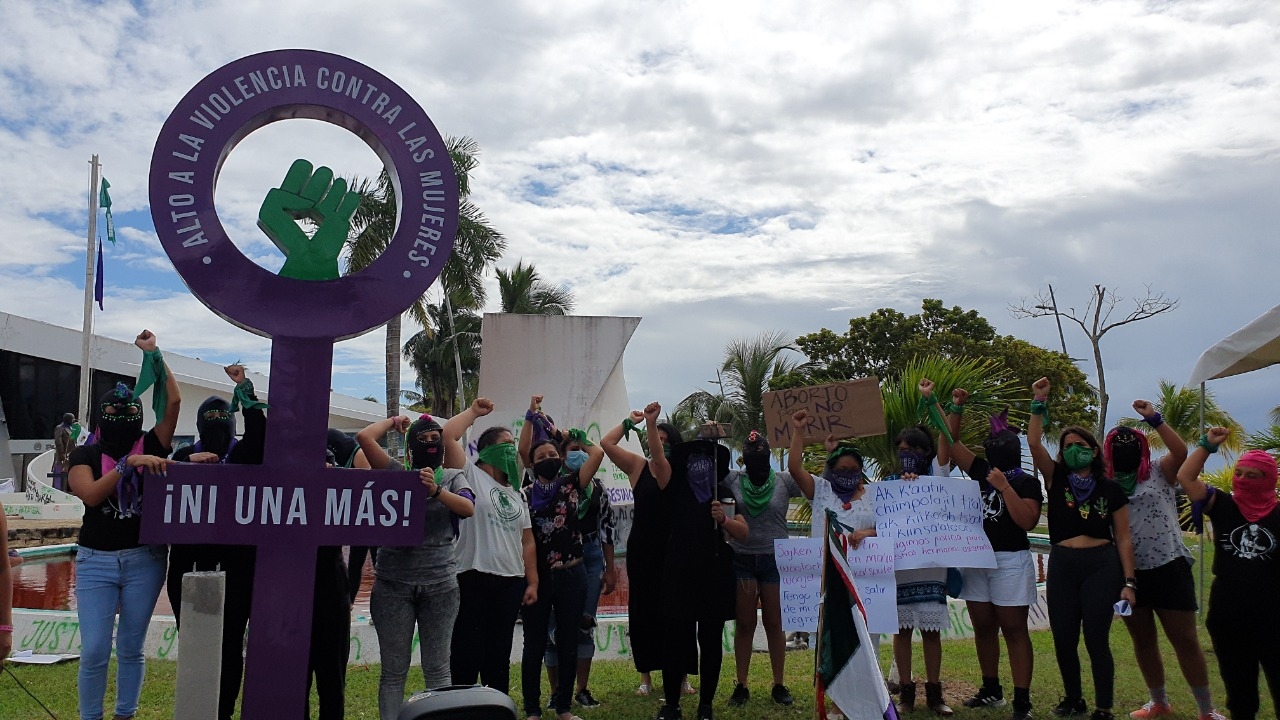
(1252, 347)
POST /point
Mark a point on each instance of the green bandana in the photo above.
(1128, 481)
(153, 373)
(756, 497)
(243, 397)
(928, 409)
(503, 457)
(580, 436)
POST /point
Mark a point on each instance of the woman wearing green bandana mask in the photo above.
(764, 495)
(497, 568)
(1091, 563)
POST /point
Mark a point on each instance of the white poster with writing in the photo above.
(800, 570)
(934, 522)
(872, 567)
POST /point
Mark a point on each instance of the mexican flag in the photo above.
(848, 669)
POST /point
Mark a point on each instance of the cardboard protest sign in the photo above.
(800, 567)
(934, 522)
(842, 410)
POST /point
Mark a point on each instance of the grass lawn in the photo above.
(614, 684)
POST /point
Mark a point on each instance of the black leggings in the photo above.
(675, 664)
(480, 646)
(1082, 587)
(1244, 639)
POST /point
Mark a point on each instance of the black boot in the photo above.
(933, 697)
(906, 696)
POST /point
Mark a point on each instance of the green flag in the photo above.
(104, 200)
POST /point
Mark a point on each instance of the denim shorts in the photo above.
(762, 568)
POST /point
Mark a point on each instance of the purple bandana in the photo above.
(1082, 487)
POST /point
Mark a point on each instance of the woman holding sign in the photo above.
(1000, 598)
(922, 593)
(764, 496)
(1168, 590)
(841, 489)
(1091, 564)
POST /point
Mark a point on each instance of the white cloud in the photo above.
(719, 168)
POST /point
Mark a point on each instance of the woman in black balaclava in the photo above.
(763, 495)
(1000, 598)
(417, 585)
(115, 572)
(216, 436)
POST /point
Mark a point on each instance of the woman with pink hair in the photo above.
(1165, 586)
(1246, 571)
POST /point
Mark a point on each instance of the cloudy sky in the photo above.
(717, 168)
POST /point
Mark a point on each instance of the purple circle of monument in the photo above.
(242, 96)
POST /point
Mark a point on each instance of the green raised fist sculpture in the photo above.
(320, 198)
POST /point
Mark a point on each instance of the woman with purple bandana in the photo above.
(1091, 563)
(1246, 571)
(114, 570)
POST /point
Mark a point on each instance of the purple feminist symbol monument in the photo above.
(292, 503)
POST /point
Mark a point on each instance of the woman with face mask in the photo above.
(1246, 571)
(647, 541)
(999, 599)
(596, 520)
(495, 557)
(1166, 588)
(841, 489)
(764, 496)
(553, 496)
(922, 593)
(1091, 563)
(114, 570)
(417, 586)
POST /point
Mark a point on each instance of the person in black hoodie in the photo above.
(218, 444)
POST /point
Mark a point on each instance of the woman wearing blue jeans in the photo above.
(417, 585)
(114, 570)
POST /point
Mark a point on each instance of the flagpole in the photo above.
(86, 332)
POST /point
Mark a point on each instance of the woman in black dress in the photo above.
(647, 540)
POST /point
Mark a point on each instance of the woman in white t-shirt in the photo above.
(497, 568)
(841, 488)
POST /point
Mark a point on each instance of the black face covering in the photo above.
(343, 447)
(425, 453)
(547, 469)
(755, 458)
(118, 431)
(1004, 452)
(1126, 452)
(216, 426)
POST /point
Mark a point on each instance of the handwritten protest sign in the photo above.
(872, 567)
(933, 522)
(800, 567)
(843, 410)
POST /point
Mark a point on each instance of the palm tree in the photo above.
(432, 354)
(1180, 408)
(991, 390)
(524, 292)
(476, 246)
(743, 379)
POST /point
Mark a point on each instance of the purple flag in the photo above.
(97, 281)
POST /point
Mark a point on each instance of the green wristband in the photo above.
(1208, 446)
(953, 408)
